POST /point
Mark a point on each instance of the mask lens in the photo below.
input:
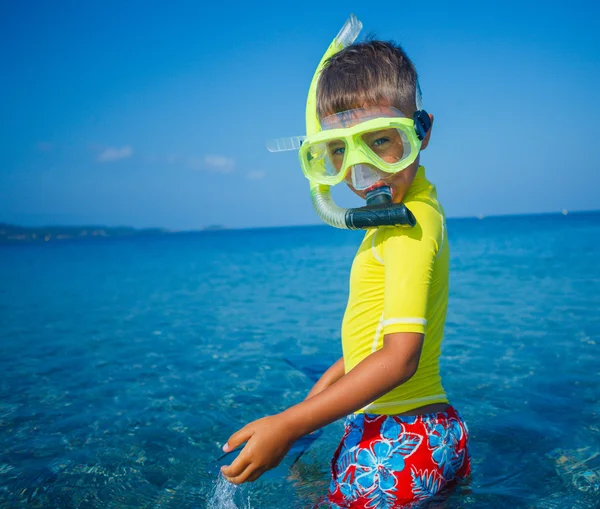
(390, 146)
(325, 160)
(336, 154)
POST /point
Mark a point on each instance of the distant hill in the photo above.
(13, 234)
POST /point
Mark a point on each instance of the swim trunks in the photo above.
(390, 462)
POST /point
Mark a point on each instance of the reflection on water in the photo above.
(126, 364)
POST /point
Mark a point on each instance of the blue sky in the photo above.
(155, 114)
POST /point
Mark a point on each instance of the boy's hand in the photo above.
(269, 439)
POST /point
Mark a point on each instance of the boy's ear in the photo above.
(425, 141)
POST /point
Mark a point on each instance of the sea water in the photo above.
(126, 363)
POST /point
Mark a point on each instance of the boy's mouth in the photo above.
(379, 184)
(379, 193)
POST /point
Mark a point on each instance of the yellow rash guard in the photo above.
(399, 283)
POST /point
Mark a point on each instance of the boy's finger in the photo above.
(238, 438)
(236, 468)
(242, 476)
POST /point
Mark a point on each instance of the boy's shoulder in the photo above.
(424, 204)
(430, 225)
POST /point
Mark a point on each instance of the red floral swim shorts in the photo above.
(389, 462)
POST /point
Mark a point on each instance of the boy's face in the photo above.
(387, 144)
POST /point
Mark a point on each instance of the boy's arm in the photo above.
(332, 375)
(270, 438)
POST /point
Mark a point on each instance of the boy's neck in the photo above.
(415, 186)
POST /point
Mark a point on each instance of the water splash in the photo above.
(228, 496)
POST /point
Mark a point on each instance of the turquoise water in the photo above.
(127, 363)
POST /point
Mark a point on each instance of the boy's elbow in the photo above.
(401, 371)
(410, 368)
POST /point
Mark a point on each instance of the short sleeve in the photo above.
(409, 256)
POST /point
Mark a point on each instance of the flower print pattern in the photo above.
(444, 440)
(387, 462)
(371, 471)
(376, 466)
(426, 484)
(354, 432)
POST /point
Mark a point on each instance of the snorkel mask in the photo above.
(362, 147)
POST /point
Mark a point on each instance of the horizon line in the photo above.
(217, 227)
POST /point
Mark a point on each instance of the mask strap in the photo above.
(422, 123)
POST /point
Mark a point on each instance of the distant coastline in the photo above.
(11, 234)
(14, 234)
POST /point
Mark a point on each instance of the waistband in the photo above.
(449, 413)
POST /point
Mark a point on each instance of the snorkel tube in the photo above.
(380, 211)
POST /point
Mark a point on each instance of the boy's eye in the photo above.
(379, 142)
(337, 151)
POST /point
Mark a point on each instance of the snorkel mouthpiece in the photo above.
(380, 211)
(378, 195)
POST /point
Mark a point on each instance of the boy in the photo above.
(403, 442)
